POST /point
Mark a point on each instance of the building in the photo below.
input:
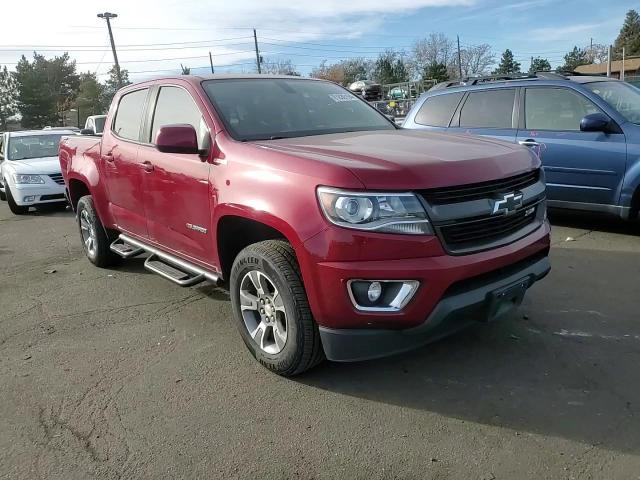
(631, 68)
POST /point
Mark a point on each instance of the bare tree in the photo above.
(475, 60)
(437, 48)
(279, 67)
(597, 53)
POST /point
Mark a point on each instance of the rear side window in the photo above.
(488, 109)
(175, 106)
(555, 109)
(437, 111)
(129, 116)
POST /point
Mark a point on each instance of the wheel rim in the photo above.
(263, 312)
(88, 232)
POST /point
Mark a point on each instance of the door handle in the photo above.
(147, 166)
(529, 143)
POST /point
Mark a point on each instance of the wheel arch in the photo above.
(235, 231)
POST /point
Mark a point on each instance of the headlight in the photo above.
(20, 178)
(380, 212)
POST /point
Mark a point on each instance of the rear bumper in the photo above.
(461, 306)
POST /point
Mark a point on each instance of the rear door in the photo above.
(580, 167)
(177, 185)
(490, 113)
(436, 112)
(122, 171)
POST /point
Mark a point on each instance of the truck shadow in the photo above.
(565, 365)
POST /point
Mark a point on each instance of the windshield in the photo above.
(33, 146)
(264, 109)
(99, 123)
(621, 96)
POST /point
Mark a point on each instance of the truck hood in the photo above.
(44, 165)
(411, 159)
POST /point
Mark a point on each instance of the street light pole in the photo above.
(108, 16)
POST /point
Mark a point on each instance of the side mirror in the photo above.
(87, 131)
(595, 122)
(177, 139)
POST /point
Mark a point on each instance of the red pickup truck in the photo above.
(338, 234)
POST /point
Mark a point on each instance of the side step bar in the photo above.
(172, 268)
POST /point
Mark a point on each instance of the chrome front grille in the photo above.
(466, 218)
(57, 177)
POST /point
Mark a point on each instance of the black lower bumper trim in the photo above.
(452, 313)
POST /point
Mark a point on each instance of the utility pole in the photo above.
(255, 39)
(459, 59)
(609, 62)
(211, 62)
(593, 59)
(622, 69)
(108, 16)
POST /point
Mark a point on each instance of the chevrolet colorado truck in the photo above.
(338, 235)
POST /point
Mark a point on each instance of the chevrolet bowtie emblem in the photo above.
(508, 204)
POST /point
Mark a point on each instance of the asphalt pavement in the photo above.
(119, 374)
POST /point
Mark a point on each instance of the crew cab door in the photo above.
(121, 169)
(177, 185)
(490, 113)
(580, 167)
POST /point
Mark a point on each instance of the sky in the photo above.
(154, 37)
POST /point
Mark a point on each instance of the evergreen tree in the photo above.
(35, 103)
(507, 65)
(575, 58)
(629, 36)
(436, 71)
(8, 97)
(89, 100)
(390, 69)
(111, 85)
(539, 65)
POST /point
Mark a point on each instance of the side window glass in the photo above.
(437, 111)
(488, 109)
(128, 120)
(174, 106)
(555, 109)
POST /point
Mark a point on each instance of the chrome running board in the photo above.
(168, 266)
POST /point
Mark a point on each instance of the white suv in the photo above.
(29, 169)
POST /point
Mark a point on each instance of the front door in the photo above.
(122, 171)
(580, 167)
(177, 185)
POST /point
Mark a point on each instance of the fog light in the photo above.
(374, 292)
(29, 198)
(381, 295)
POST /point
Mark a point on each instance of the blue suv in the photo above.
(586, 131)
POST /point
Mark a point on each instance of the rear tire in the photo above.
(93, 235)
(285, 312)
(13, 206)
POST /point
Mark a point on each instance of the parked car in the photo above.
(367, 89)
(94, 125)
(402, 93)
(338, 234)
(585, 129)
(30, 170)
(63, 129)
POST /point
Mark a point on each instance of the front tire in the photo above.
(95, 240)
(271, 309)
(13, 206)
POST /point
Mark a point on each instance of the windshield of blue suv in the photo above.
(272, 108)
(621, 96)
(33, 146)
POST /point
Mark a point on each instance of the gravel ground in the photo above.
(119, 374)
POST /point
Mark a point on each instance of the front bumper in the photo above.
(27, 195)
(466, 303)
